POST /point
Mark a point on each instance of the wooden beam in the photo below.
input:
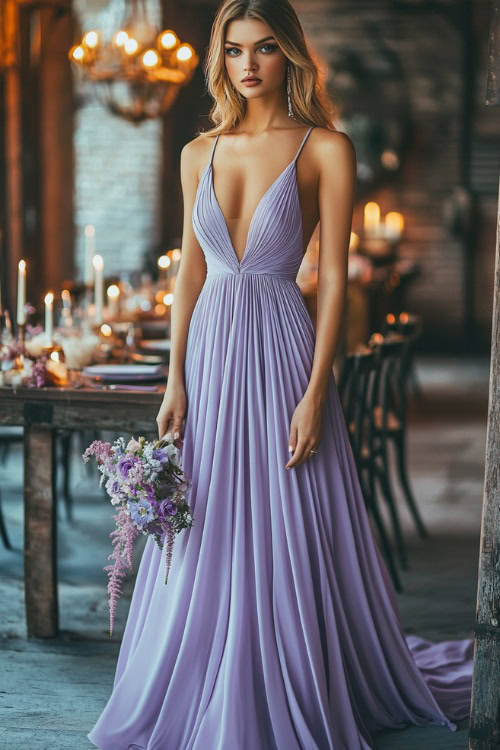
(484, 733)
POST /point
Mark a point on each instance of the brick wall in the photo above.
(117, 167)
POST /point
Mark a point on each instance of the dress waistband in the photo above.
(285, 276)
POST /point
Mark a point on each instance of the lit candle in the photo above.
(66, 309)
(372, 219)
(49, 317)
(164, 263)
(394, 225)
(113, 294)
(89, 254)
(98, 264)
(21, 293)
(66, 298)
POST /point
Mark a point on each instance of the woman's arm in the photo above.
(336, 158)
(191, 275)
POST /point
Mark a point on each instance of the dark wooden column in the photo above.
(485, 706)
(37, 149)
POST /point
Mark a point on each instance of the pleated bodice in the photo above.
(274, 243)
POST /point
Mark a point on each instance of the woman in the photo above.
(279, 628)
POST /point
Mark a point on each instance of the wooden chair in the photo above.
(355, 386)
(388, 422)
(410, 326)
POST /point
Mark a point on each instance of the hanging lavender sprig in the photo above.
(123, 538)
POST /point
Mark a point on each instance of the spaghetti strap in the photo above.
(303, 141)
(213, 149)
(296, 155)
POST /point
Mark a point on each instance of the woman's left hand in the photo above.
(305, 431)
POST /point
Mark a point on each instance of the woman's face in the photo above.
(252, 50)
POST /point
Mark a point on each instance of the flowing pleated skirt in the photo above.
(279, 627)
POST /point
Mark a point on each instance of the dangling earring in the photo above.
(288, 91)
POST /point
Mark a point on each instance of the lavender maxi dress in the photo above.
(279, 627)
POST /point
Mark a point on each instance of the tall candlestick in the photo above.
(98, 264)
(89, 254)
(21, 293)
(49, 317)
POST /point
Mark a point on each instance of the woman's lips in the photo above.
(251, 82)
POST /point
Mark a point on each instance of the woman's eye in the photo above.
(268, 47)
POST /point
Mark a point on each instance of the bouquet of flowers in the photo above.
(147, 485)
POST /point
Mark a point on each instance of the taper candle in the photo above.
(49, 317)
(98, 264)
(89, 254)
(21, 293)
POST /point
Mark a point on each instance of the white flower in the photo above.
(133, 445)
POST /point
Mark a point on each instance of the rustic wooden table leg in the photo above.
(40, 532)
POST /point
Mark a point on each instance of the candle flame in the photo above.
(163, 261)
(184, 53)
(120, 38)
(91, 39)
(22, 265)
(131, 46)
(113, 291)
(78, 53)
(49, 298)
(98, 262)
(168, 39)
(150, 58)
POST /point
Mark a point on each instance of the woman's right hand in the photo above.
(172, 410)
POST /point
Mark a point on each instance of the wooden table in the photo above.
(41, 411)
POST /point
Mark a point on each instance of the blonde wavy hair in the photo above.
(311, 103)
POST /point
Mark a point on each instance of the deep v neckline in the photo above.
(259, 204)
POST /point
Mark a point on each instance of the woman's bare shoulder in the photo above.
(195, 153)
(332, 145)
(328, 143)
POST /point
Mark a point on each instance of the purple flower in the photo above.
(168, 508)
(113, 486)
(125, 464)
(150, 492)
(141, 512)
(160, 454)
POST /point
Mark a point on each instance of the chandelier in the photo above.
(139, 71)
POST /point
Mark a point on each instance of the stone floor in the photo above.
(52, 691)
